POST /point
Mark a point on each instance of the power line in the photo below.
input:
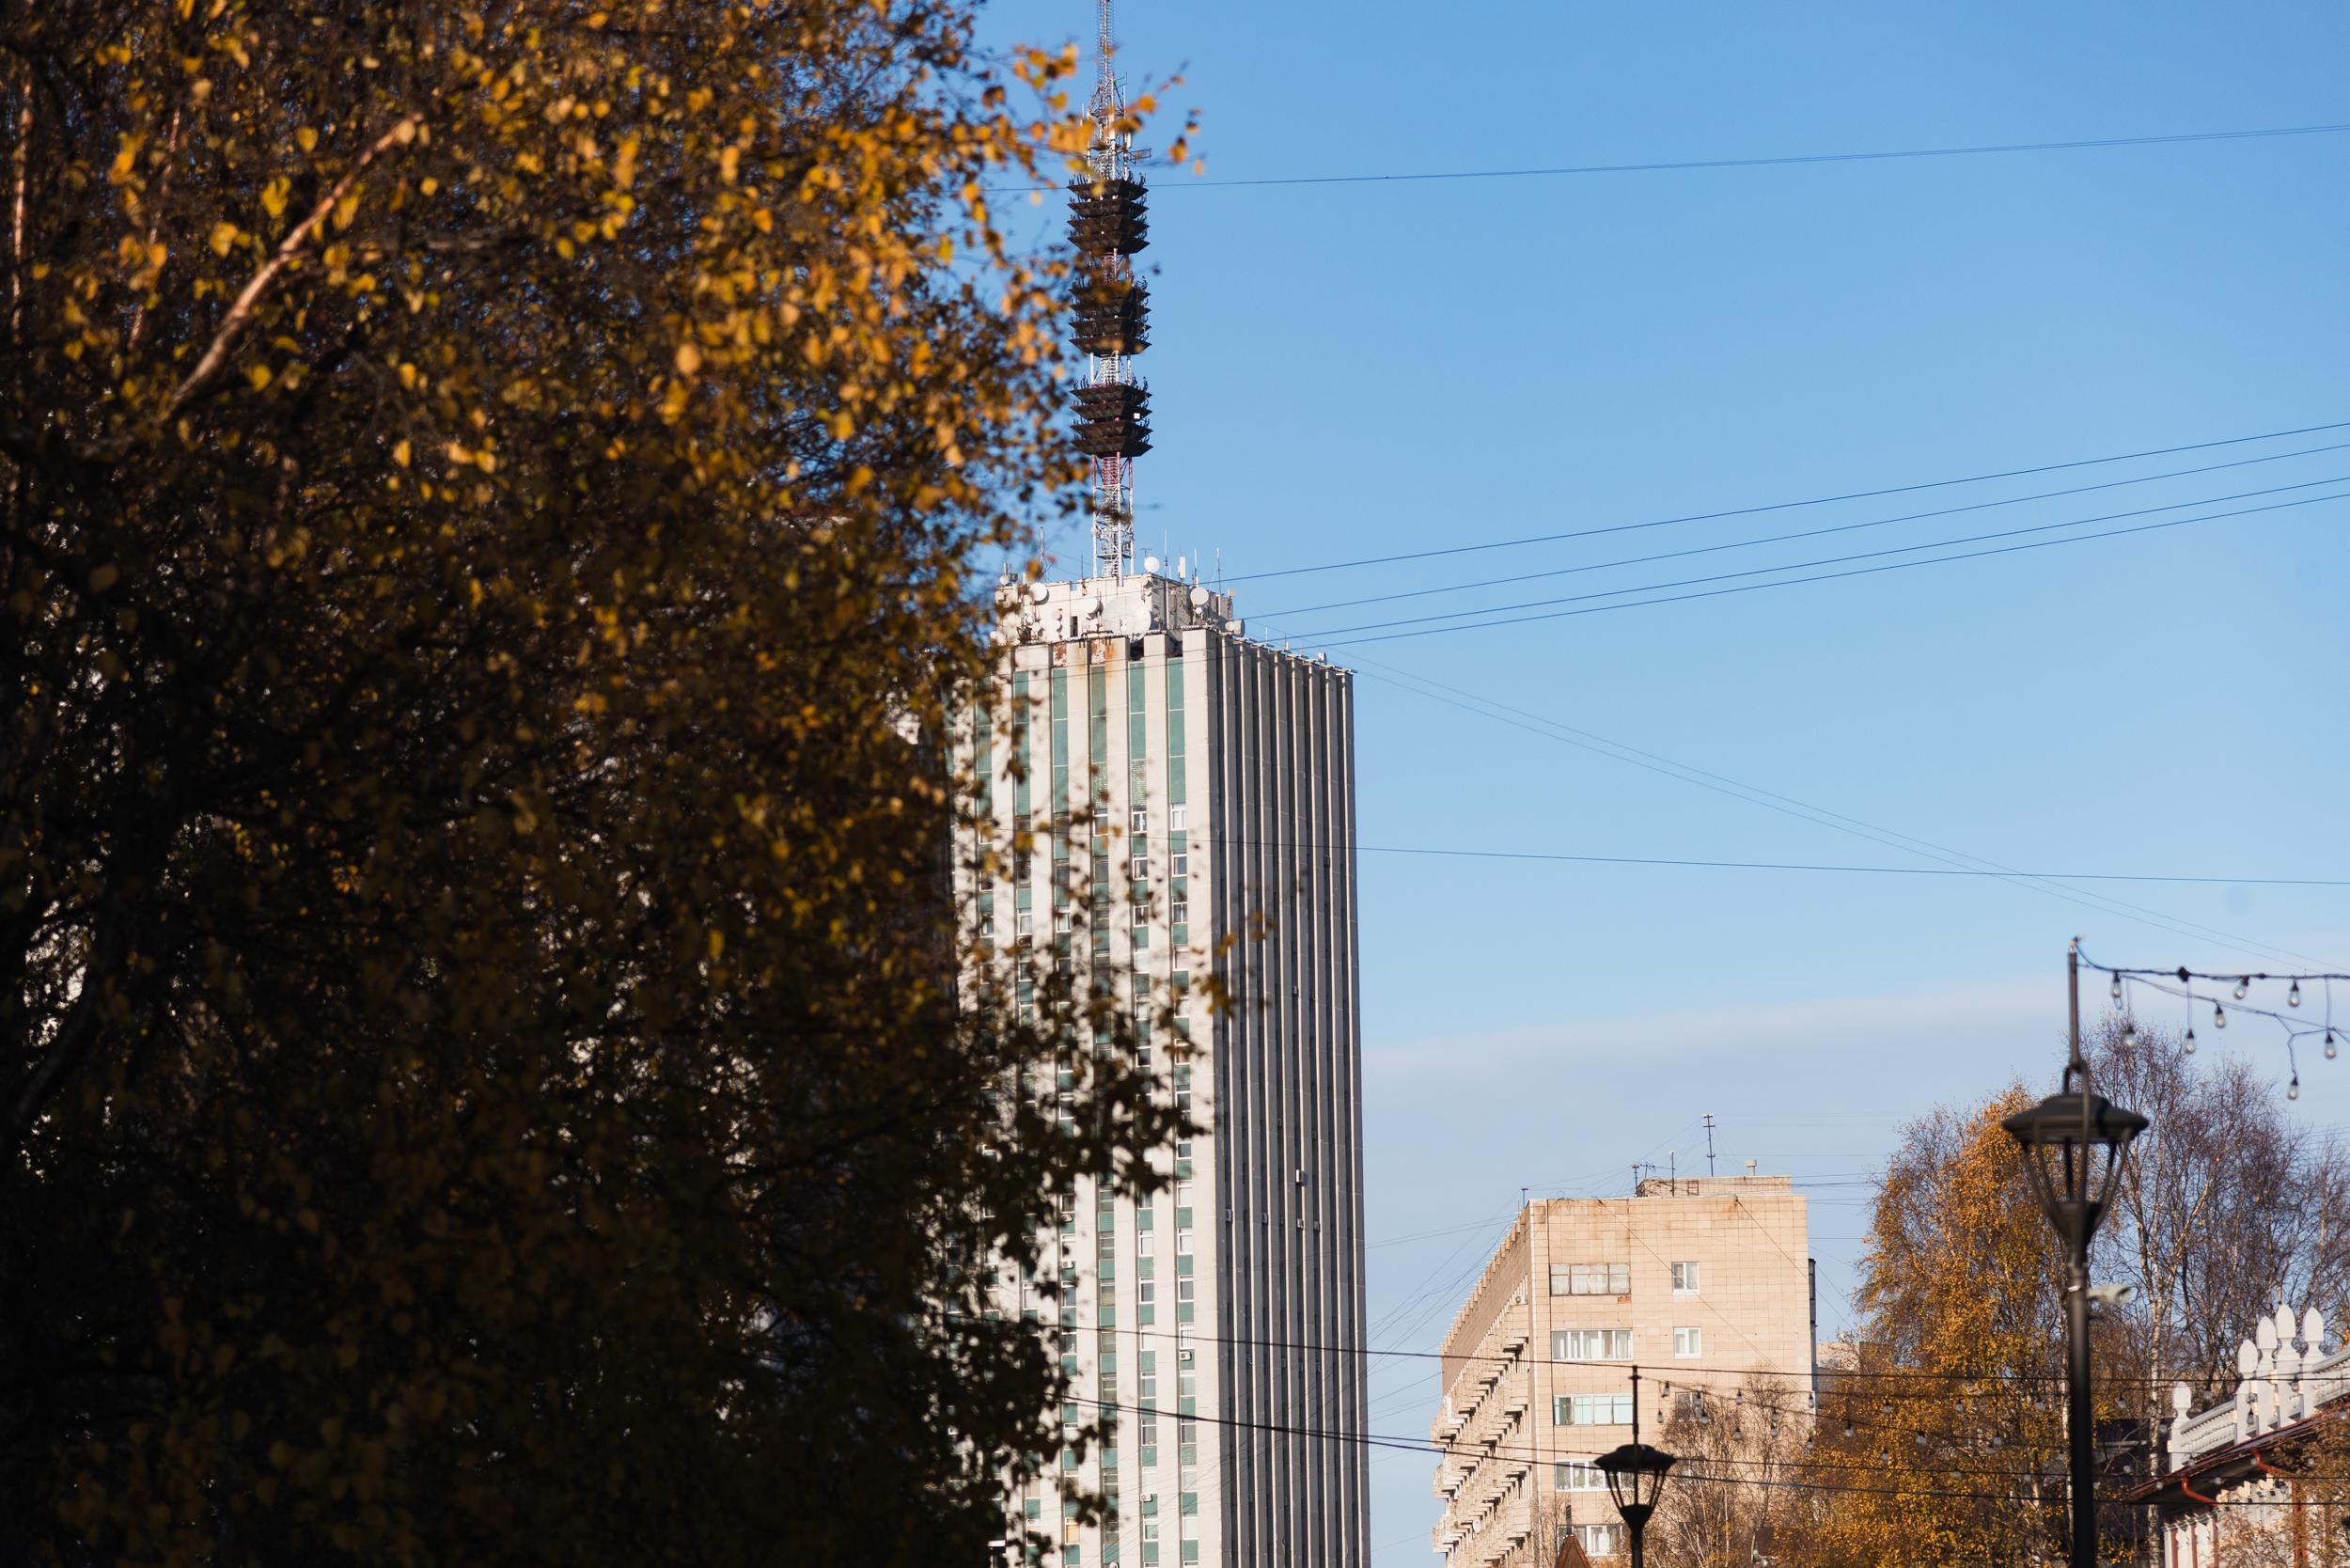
(1810, 533)
(1789, 505)
(1342, 637)
(1780, 161)
(1566, 735)
(1687, 1470)
(1862, 871)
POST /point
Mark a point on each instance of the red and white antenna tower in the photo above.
(1109, 224)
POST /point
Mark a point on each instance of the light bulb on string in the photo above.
(2292, 1089)
(2129, 1034)
(2293, 998)
(2331, 1049)
(2188, 1043)
(2219, 1016)
(1848, 1426)
(2243, 983)
(2116, 990)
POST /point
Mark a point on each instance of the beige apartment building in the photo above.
(1697, 1283)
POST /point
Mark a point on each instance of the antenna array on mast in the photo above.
(1109, 224)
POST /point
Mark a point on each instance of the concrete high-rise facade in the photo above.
(1219, 1322)
(1700, 1284)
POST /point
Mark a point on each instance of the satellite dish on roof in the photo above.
(1198, 597)
(1150, 564)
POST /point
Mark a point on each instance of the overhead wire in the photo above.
(1821, 533)
(1777, 161)
(1758, 511)
(1691, 863)
(1693, 1470)
(1566, 735)
(1347, 637)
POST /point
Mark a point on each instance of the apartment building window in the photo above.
(1139, 822)
(1175, 815)
(1685, 1279)
(1590, 1279)
(1592, 1410)
(1600, 1540)
(1578, 1478)
(1592, 1345)
(1689, 1344)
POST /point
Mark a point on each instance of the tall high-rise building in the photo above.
(1218, 1322)
(1703, 1286)
(1177, 802)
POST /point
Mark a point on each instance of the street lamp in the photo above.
(1636, 1473)
(2074, 1145)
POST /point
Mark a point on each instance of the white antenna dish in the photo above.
(1150, 564)
(1198, 597)
(1039, 592)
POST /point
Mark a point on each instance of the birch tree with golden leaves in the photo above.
(491, 496)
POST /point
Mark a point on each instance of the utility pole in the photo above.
(1709, 1143)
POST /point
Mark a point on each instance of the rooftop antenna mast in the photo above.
(1108, 225)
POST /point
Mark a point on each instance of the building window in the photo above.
(1685, 1279)
(1023, 923)
(1689, 1344)
(1579, 1477)
(1600, 1540)
(1592, 1345)
(1175, 815)
(1590, 1279)
(1592, 1410)
(1139, 821)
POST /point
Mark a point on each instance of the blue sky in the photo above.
(1353, 370)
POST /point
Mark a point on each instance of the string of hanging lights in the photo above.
(2180, 984)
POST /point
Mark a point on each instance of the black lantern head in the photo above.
(2074, 1146)
(1635, 1474)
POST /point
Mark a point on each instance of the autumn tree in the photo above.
(1957, 1402)
(1945, 1439)
(491, 495)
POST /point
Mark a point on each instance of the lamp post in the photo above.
(1635, 1474)
(2074, 1145)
